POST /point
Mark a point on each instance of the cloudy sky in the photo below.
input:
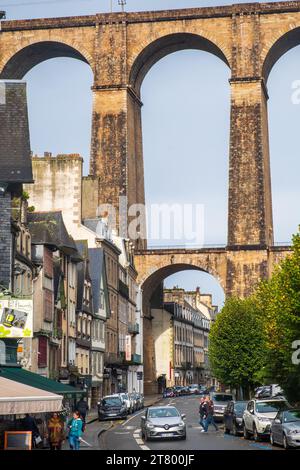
(185, 123)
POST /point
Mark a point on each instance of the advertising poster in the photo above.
(16, 318)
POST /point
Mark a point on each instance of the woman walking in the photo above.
(210, 416)
(75, 431)
(55, 432)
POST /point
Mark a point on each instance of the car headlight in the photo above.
(295, 431)
(264, 420)
(181, 425)
(150, 426)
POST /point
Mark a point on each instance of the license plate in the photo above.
(168, 434)
(112, 414)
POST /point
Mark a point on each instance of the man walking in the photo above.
(210, 416)
(203, 412)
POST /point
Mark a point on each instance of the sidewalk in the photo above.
(91, 435)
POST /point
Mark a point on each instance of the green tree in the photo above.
(237, 345)
(278, 300)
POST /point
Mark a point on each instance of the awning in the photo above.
(26, 377)
(17, 398)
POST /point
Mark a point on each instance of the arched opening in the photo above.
(59, 97)
(185, 122)
(282, 70)
(177, 320)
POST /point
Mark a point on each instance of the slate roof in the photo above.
(48, 228)
(15, 154)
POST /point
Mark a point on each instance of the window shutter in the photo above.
(42, 356)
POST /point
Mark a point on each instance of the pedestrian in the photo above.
(83, 408)
(210, 416)
(201, 412)
(56, 434)
(204, 412)
(75, 431)
(29, 424)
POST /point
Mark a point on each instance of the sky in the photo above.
(185, 124)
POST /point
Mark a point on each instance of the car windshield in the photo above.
(111, 401)
(222, 397)
(124, 396)
(163, 413)
(270, 406)
(291, 416)
(240, 406)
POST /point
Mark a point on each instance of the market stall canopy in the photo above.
(17, 398)
(26, 377)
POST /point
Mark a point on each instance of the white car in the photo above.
(125, 399)
(259, 415)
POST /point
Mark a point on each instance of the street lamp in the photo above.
(122, 3)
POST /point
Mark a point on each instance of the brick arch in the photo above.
(167, 44)
(22, 60)
(284, 40)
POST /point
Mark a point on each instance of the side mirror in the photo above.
(183, 416)
(143, 417)
(277, 421)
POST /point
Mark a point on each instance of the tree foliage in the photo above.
(237, 344)
(278, 300)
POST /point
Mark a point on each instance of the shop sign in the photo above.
(128, 348)
(16, 318)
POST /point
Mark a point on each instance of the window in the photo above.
(42, 352)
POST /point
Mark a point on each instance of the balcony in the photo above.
(123, 289)
(113, 359)
(136, 359)
(57, 333)
(133, 328)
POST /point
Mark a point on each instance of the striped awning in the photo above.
(17, 398)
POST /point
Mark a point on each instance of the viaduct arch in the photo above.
(121, 48)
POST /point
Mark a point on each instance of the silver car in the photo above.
(163, 422)
(285, 429)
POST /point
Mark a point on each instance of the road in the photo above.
(126, 435)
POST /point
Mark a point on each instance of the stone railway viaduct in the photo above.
(120, 49)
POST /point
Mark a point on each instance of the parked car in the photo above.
(163, 422)
(134, 401)
(194, 389)
(179, 390)
(258, 416)
(285, 429)
(169, 392)
(233, 417)
(125, 398)
(140, 401)
(220, 401)
(111, 407)
(185, 390)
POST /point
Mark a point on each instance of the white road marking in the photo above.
(132, 417)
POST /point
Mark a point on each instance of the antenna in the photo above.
(122, 3)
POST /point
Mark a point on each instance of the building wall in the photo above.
(163, 340)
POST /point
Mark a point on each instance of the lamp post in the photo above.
(122, 3)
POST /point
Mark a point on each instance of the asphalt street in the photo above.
(126, 435)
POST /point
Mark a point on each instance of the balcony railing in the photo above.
(133, 328)
(113, 359)
(123, 289)
(136, 358)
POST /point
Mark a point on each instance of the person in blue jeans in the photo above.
(75, 431)
(210, 417)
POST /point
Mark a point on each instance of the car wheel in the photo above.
(234, 430)
(255, 434)
(184, 437)
(285, 442)
(245, 432)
